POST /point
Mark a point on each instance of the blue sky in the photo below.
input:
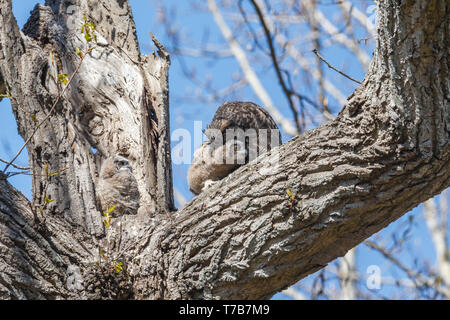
(184, 113)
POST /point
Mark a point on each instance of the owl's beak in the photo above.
(126, 167)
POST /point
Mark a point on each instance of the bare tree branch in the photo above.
(251, 76)
(355, 12)
(287, 92)
(296, 295)
(347, 275)
(12, 47)
(418, 279)
(337, 36)
(14, 165)
(50, 113)
(331, 67)
(438, 230)
(304, 63)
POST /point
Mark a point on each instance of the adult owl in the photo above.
(238, 133)
(117, 187)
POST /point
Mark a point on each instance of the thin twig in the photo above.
(49, 114)
(330, 66)
(248, 71)
(313, 24)
(303, 63)
(366, 39)
(248, 23)
(131, 59)
(12, 174)
(342, 38)
(293, 52)
(14, 165)
(417, 278)
(288, 92)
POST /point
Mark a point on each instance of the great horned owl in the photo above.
(238, 133)
(117, 186)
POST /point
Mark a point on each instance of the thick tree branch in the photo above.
(41, 257)
(2, 86)
(245, 237)
(383, 155)
(11, 50)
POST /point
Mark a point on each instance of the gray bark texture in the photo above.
(245, 237)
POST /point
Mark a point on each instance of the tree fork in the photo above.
(246, 237)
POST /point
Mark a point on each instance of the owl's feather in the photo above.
(210, 161)
(242, 115)
(117, 187)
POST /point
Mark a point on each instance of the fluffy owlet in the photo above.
(238, 133)
(117, 186)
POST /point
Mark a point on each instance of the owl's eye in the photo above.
(123, 163)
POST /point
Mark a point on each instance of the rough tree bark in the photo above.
(386, 152)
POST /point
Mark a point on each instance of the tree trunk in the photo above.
(244, 238)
